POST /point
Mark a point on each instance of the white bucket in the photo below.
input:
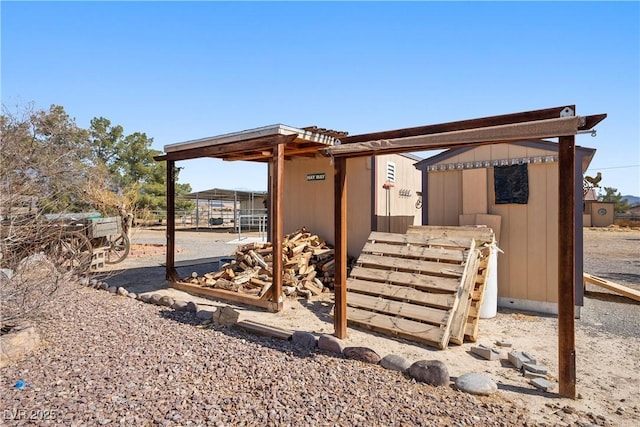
(489, 307)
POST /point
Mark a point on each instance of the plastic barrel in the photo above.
(489, 307)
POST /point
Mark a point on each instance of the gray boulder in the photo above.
(395, 363)
(432, 372)
(304, 340)
(165, 301)
(179, 305)
(205, 315)
(192, 307)
(474, 383)
(225, 316)
(122, 292)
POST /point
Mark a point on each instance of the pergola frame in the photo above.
(560, 122)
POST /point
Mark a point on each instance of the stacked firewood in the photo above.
(308, 264)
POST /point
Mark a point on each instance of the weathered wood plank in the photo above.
(396, 308)
(615, 287)
(482, 234)
(418, 240)
(434, 254)
(401, 293)
(223, 295)
(430, 267)
(459, 318)
(419, 281)
(416, 331)
(425, 282)
(265, 330)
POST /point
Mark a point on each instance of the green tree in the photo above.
(611, 194)
(129, 168)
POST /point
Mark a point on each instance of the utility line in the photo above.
(615, 167)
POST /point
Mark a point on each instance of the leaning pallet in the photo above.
(484, 237)
(415, 287)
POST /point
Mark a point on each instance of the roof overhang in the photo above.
(253, 144)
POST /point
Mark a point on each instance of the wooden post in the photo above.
(276, 176)
(566, 267)
(340, 220)
(170, 273)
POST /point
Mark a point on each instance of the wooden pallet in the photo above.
(484, 238)
(414, 287)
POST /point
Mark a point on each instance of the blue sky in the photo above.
(185, 70)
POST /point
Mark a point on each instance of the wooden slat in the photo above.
(396, 308)
(406, 280)
(416, 331)
(435, 268)
(418, 240)
(435, 254)
(615, 287)
(482, 234)
(224, 295)
(265, 330)
(459, 317)
(400, 291)
(415, 296)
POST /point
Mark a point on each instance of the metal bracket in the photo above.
(567, 112)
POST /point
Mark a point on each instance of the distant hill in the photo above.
(632, 200)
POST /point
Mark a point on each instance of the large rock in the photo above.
(179, 305)
(205, 315)
(475, 383)
(18, 343)
(165, 301)
(225, 316)
(304, 340)
(395, 363)
(122, 292)
(330, 343)
(432, 372)
(363, 354)
(192, 307)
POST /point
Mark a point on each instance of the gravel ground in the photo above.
(114, 360)
(612, 253)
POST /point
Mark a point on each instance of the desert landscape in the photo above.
(108, 359)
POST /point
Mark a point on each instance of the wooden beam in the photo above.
(340, 219)
(566, 267)
(488, 135)
(264, 155)
(615, 287)
(591, 121)
(170, 272)
(276, 188)
(527, 116)
(221, 150)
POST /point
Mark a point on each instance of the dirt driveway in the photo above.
(607, 334)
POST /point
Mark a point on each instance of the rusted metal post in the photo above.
(276, 176)
(340, 220)
(566, 267)
(171, 221)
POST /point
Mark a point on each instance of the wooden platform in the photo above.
(484, 238)
(417, 286)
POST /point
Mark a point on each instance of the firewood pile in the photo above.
(308, 264)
